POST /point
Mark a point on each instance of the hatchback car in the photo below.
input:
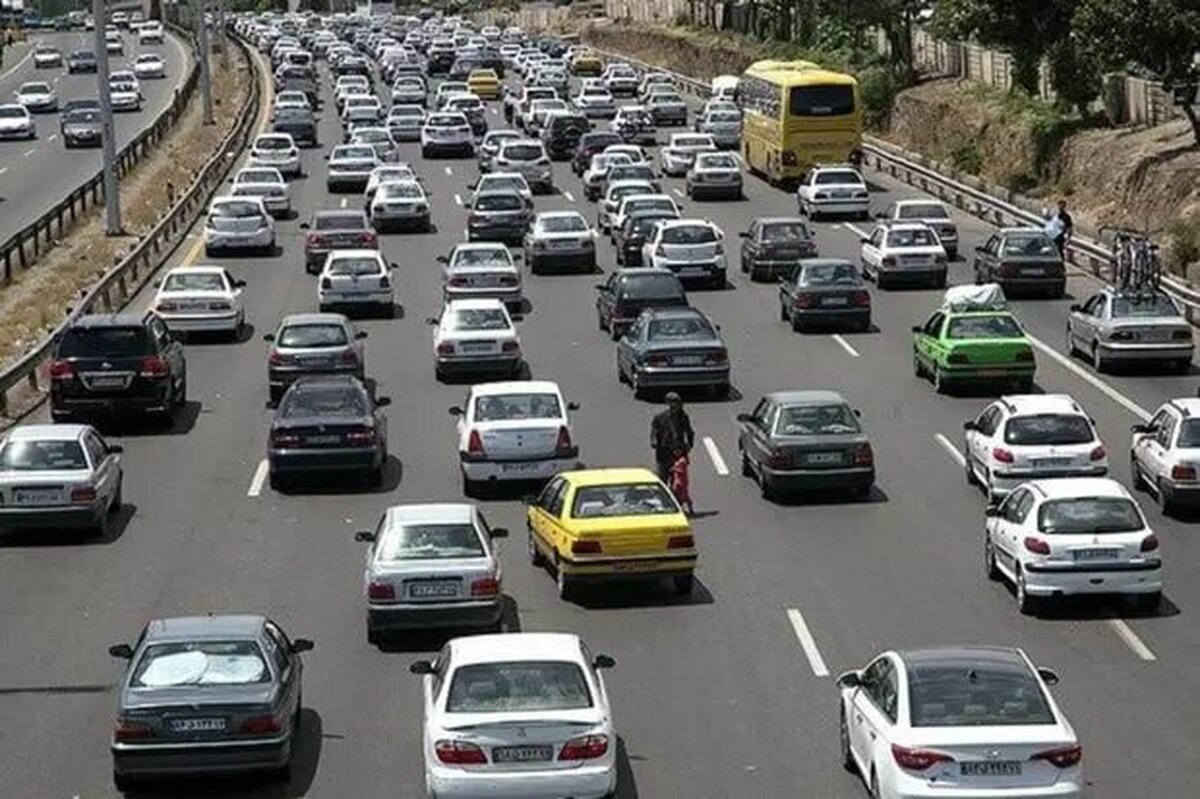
(238, 223)
(357, 279)
(673, 348)
(482, 270)
(38, 97)
(1164, 454)
(826, 292)
(431, 565)
(1115, 327)
(715, 175)
(278, 151)
(621, 298)
(207, 695)
(447, 133)
(401, 205)
(201, 299)
(907, 252)
(58, 476)
(677, 156)
(307, 344)
(560, 239)
(329, 230)
(498, 216)
(350, 167)
(150, 65)
(475, 336)
(694, 249)
(16, 122)
(833, 190)
(1021, 259)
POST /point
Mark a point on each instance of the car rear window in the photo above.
(108, 342)
(922, 211)
(480, 319)
(834, 176)
(911, 238)
(42, 456)
(237, 210)
(1029, 244)
(194, 663)
(829, 275)
(498, 256)
(361, 152)
(340, 222)
(431, 542)
(785, 232)
(691, 141)
(315, 335)
(689, 234)
(354, 266)
(1048, 429)
(499, 202)
(272, 143)
(372, 136)
(630, 499)
(517, 406)
(401, 189)
(975, 695)
(1089, 516)
(649, 287)
(631, 172)
(816, 420)
(258, 176)
(309, 401)
(681, 328)
(78, 117)
(564, 224)
(184, 281)
(1148, 306)
(981, 327)
(519, 687)
(522, 152)
(719, 161)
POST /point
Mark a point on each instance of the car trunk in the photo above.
(335, 432)
(483, 278)
(996, 757)
(520, 439)
(481, 342)
(832, 297)
(32, 489)
(692, 355)
(192, 300)
(988, 352)
(633, 535)
(198, 713)
(431, 581)
(235, 224)
(819, 452)
(515, 741)
(630, 305)
(1151, 331)
(357, 284)
(688, 252)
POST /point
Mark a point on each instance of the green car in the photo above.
(956, 348)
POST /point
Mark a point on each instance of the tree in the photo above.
(894, 17)
(1159, 35)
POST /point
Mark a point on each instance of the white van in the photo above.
(724, 87)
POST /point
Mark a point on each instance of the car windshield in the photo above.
(42, 456)
(308, 401)
(975, 695)
(431, 542)
(1029, 244)
(1147, 306)
(354, 266)
(911, 237)
(829, 275)
(236, 209)
(681, 328)
(836, 176)
(1089, 516)
(193, 663)
(105, 342)
(629, 499)
(315, 335)
(83, 116)
(522, 152)
(519, 687)
(816, 420)
(480, 319)
(496, 407)
(193, 281)
(1048, 429)
(490, 183)
(981, 327)
(35, 88)
(340, 222)
(688, 234)
(1189, 434)
(922, 211)
(631, 172)
(499, 202)
(272, 143)
(10, 112)
(564, 224)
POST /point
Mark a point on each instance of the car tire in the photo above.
(1101, 363)
(1072, 350)
(683, 584)
(470, 488)
(989, 559)
(118, 500)
(747, 468)
(536, 559)
(784, 316)
(873, 790)
(972, 480)
(1135, 473)
(1027, 604)
(123, 782)
(564, 583)
(1165, 503)
(844, 741)
(797, 325)
(373, 637)
(939, 381)
(621, 378)
(722, 390)
(639, 391)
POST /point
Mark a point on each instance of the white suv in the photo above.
(1031, 437)
(691, 248)
(447, 132)
(1165, 454)
(833, 190)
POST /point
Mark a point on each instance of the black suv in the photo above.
(111, 364)
(590, 144)
(562, 132)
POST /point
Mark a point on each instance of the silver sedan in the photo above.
(673, 348)
(1118, 327)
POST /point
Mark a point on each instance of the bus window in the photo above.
(821, 101)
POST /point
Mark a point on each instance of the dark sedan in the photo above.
(81, 128)
(1021, 259)
(621, 298)
(797, 441)
(207, 695)
(81, 61)
(773, 246)
(325, 424)
(336, 230)
(631, 237)
(301, 123)
(498, 216)
(590, 144)
(825, 292)
(673, 348)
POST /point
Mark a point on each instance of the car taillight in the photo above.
(384, 283)
(220, 305)
(1037, 546)
(660, 251)
(586, 547)
(510, 347)
(262, 725)
(326, 283)
(564, 446)
(804, 301)
(445, 348)
(83, 494)
(315, 240)
(957, 357)
(681, 542)
(1024, 356)
(861, 299)
(62, 370)
(863, 455)
(720, 248)
(381, 591)
(349, 355)
(889, 260)
(457, 281)
(585, 747)
(1182, 472)
(1061, 756)
(508, 280)
(277, 358)
(779, 459)
(130, 730)
(1182, 335)
(153, 366)
(718, 356)
(917, 759)
(475, 444)
(367, 238)
(939, 258)
(1098, 454)
(1002, 455)
(485, 586)
(281, 439)
(459, 753)
(166, 306)
(1149, 543)
(360, 438)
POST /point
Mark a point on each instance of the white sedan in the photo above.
(679, 153)
(1072, 536)
(267, 183)
(38, 97)
(400, 204)
(475, 336)
(356, 278)
(405, 122)
(150, 65)
(124, 96)
(276, 150)
(514, 431)
(201, 299)
(387, 173)
(481, 269)
(956, 722)
(431, 565)
(897, 252)
(517, 716)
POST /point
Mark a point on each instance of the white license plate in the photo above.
(319, 361)
(1094, 554)
(193, 305)
(990, 768)
(635, 566)
(519, 468)
(485, 347)
(484, 281)
(1033, 272)
(835, 301)
(427, 590)
(197, 725)
(108, 382)
(561, 245)
(37, 496)
(521, 754)
(1053, 462)
(824, 457)
(332, 439)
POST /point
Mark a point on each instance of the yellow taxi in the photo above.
(484, 84)
(610, 525)
(586, 63)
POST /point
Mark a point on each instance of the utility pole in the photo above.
(108, 144)
(221, 33)
(202, 46)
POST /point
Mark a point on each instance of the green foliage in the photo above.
(1048, 124)
(877, 88)
(967, 158)
(1185, 243)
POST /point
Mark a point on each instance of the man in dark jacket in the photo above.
(671, 435)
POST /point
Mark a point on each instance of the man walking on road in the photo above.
(671, 435)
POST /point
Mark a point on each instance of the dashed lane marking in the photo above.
(1089, 378)
(30, 152)
(458, 199)
(570, 197)
(677, 192)
(1126, 634)
(845, 345)
(714, 454)
(345, 201)
(449, 171)
(951, 450)
(256, 482)
(808, 643)
(857, 230)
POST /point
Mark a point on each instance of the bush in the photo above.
(1185, 243)
(877, 88)
(967, 158)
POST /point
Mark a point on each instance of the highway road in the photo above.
(716, 696)
(34, 175)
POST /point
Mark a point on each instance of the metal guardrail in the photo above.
(128, 277)
(980, 200)
(24, 247)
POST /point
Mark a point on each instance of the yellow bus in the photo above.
(797, 115)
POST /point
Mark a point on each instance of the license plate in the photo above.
(521, 754)
(48, 496)
(635, 566)
(840, 194)
(484, 347)
(427, 590)
(824, 457)
(687, 360)
(1048, 462)
(1094, 554)
(485, 281)
(835, 301)
(561, 245)
(1034, 272)
(197, 725)
(193, 305)
(318, 361)
(519, 468)
(990, 768)
(108, 382)
(991, 373)
(332, 439)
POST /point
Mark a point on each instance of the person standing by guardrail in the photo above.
(1060, 226)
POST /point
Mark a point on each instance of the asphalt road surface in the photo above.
(35, 175)
(715, 695)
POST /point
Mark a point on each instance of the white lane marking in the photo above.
(806, 641)
(458, 199)
(678, 193)
(862, 234)
(952, 450)
(256, 482)
(715, 455)
(52, 137)
(30, 151)
(3, 169)
(570, 197)
(1089, 378)
(1131, 639)
(345, 201)
(845, 345)
(449, 171)
(17, 65)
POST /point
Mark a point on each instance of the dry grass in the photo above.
(38, 298)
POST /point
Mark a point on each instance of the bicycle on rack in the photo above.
(1135, 262)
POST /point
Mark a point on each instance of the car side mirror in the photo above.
(743, 417)
(301, 645)
(421, 667)
(1076, 308)
(456, 410)
(1141, 428)
(603, 662)
(849, 679)
(115, 449)
(305, 226)
(572, 406)
(601, 287)
(269, 337)
(360, 335)
(743, 235)
(1049, 676)
(441, 259)
(123, 651)
(431, 320)
(865, 239)
(917, 329)
(991, 511)
(364, 536)
(499, 532)
(970, 425)
(383, 402)
(981, 250)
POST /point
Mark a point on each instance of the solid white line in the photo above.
(570, 197)
(1091, 379)
(678, 193)
(52, 137)
(345, 201)
(845, 344)
(30, 151)
(715, 454)
(806, 641)
(860, 233)
(458, 199)
(952, 450)
(449, 171)
(1131, 639)
(17, 65)
(256, 482)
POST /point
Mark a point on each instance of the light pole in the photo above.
(202, 46)
(108, 144)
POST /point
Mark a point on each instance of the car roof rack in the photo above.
(988, 297)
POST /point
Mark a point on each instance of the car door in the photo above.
(1142, 444)
(1158, 446)
(750, 244)
(788, 286)
(1082, 322)
(872, 251)
(869, 723)
(540, 523)
(979, 440)
(287, 666)
(606, 295)
(238, 298)
(106, 467)
(757, 432)
(1007, 528)
(985, 258)
(926, 341)
(170, 349)
(627, 346)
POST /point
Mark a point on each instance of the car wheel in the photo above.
(918, 368)
(766, 487)
(373, 637)
(639, 392)
(747, 468)
(783, 313)
(1098, 360)
(844, 740)
(621, 377)
(614, 331)
(684, 583)
(277, 481)
(874, 789)
(1025, 603)
(972, 480)
(564, 583)
(989, 558)
(536, 559)
(939, 380)
(1072, 350)
(181, 394)
(1135, 472)
(469, 487)
(882, 281)
(118, 499)
(123, 782)
(1165, 503)
(722, 390)
(1183, 366)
